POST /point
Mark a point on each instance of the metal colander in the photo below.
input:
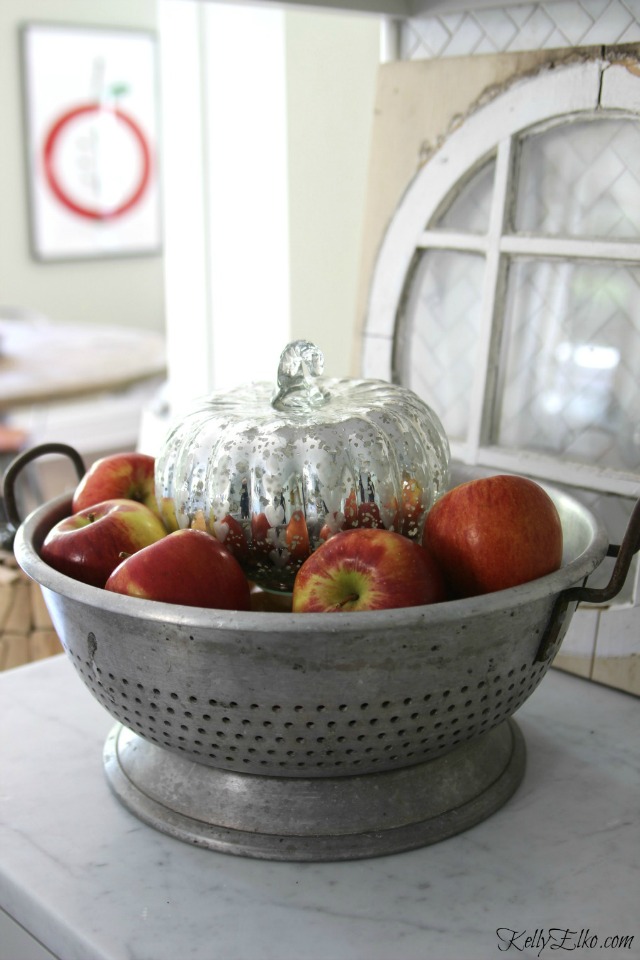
(239, 702)
(327, 701)
(311, 695)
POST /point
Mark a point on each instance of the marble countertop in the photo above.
(560, 860)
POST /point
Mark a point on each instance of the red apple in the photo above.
(412, 509)
(90, 544)
(493, 533)
(260, 527)
(334, 523)
(188, 567)
(369, 515)
(366, 569)
(168, 513)
(229, 532)
(350, 511)
(117, 476)
(326, 532)
(297, 537)
(364, 514)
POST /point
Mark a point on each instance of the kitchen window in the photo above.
(564, 290)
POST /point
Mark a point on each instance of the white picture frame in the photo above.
(91, 105)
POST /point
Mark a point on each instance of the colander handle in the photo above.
(11, 475)
(624, 554)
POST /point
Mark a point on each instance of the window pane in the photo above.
(438, 332)
(570, 383)
(581, 179)
(468, 210)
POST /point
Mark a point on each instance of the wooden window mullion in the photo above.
(488, 347)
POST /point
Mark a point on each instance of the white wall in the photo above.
(123, 291)
(264, 245)
(332, 64)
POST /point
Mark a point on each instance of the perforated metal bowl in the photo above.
(315, 736)
(309, 695)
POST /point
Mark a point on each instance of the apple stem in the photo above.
(123, 555)
(349, 599)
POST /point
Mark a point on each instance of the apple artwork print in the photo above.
(90, 544)
(189, 567)
(492, 533)
(128, 476)
(367, 569)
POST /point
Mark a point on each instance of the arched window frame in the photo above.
(577, 91)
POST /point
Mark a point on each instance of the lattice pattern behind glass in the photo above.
(569, 363)
(504, 27)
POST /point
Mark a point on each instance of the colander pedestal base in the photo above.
(315, 819)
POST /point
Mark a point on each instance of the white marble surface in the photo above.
(88, 880)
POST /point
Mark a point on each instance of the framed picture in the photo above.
(91, 135)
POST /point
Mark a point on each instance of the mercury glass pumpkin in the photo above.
(274, 472)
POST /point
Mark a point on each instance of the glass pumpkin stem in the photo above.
(301, 363)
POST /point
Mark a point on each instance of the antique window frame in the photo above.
(586, 88)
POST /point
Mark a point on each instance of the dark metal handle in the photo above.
(624, 555)
(11, 475)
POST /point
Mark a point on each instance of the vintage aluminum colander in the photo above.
(318, 736)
